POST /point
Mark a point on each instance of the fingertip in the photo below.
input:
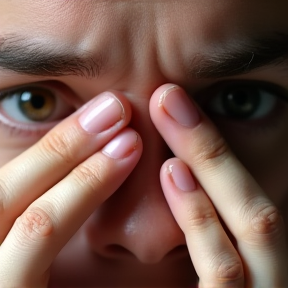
(158, 95)
(161, 89)
(125, 104)
(121, 99)
(123, 144)
(179, 175)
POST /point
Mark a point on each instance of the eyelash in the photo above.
(24, 130)
(16, 131)
(204, 97)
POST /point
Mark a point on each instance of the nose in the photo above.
(136, 221)
(142, 229)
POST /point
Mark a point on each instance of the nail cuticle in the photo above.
(165, 93)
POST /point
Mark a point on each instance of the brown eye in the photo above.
(36, 104)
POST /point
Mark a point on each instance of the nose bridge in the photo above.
(136, 220)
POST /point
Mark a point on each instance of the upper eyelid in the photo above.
(59, 88)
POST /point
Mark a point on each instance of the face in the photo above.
(214, 49)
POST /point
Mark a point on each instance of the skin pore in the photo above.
(79, 49)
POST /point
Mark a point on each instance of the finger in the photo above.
(39, 168)
(241, 203)
(216, 261)
(38, 235)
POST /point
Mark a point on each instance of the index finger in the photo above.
(43, 165)
(249, 214)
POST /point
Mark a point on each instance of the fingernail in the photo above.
(102, 114)
(182, 177)
(176, 103)
(122, 145)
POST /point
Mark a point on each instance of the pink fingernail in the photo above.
(122, 145)
(176, 103)
(102, 114)
(182, 177)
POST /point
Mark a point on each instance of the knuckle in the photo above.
(91, 175)
(266, 224)
(267, 220)
(228, 268)
(33, 224)
(60, 144)
(199, 220)
(211, 150)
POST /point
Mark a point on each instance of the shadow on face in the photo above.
(87, 47)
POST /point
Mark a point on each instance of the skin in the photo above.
(71, 215)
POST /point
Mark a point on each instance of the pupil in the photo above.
(37, 101)
(241, 103)
(36, 104)
(239, 98)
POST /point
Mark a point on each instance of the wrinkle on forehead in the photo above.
(48, 16)
(209, 17)
(136, 35)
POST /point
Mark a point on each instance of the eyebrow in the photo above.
(35, 58)
(233, 59)
(32, 57)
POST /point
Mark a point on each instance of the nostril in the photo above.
(115, 250)
(118, 251)
(178, 251)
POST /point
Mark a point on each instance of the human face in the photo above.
(136, 46)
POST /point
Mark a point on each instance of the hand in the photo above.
(220, 185)
(53, 187)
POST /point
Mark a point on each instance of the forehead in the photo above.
(118, 30)
(194, 18)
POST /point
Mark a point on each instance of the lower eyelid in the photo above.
(26, 130)
(252, 127)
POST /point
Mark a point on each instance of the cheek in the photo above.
(266, 158)
(273, 179)
(7, 155)
(12, 145)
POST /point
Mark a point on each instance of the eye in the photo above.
(244, 100)
(34, 107)
(29, 105)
